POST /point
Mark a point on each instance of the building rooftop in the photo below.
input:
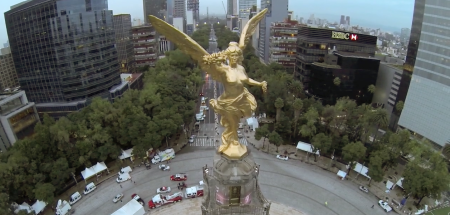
(4, 95)
(354, 55)
(324, 65)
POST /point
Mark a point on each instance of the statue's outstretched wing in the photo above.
(250, 28)
(183, 41)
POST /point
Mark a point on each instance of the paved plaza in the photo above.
(298, 185)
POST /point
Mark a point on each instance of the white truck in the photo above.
(74, 198)
(385, 206)
(131, 208)
(163, 156)
(123, 177)
(160, 200)
(63, 207)
(195, 191)
(125, 170)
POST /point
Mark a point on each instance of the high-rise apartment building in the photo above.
(425, 112)
(179, 8)
(244, 8)
(8, 74)
(64, 54)
(145, 45)
(342, 21)
(404, 34)
(232, 7)
(277, 12)
(347, 20)
(403, 83)
(283, 43)
(156, 8)
(124, 43)
(194, 6)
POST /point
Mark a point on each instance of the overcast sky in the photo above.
(390, 15)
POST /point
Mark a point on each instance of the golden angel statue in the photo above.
(236, 101)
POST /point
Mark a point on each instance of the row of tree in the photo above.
(41, 166)
(345, 130)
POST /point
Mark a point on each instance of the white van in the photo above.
(125, 170)
(123, 177)
(89, 188)
(63, 207)
(74, 198)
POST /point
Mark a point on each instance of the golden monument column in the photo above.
(231, 185)
(235, 102)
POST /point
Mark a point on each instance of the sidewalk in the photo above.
(376, 188)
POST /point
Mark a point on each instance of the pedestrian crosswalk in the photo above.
(211, 142)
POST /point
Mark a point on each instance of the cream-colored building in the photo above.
(8, 75)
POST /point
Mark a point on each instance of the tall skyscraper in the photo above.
(403, 82)
(342, 21)
(232, 7)
(124, 43)
(244, 8)
(194, 6)
(404, 34)
(428, 100)
(278, 11)
(64, 54)
(347, 20)
(156, 8)
(179, 9)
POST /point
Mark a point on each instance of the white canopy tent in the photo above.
(39, 206)
(399, 183)
(253, 123)
(126, 154)
(94, 170)
(24, 206)
(389, 185)
(341, 174)
(360, 169)
(306, 147)
(131, 208)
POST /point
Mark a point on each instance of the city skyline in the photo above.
(396, 14)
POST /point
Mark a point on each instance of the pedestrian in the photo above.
(121, 200)
(372, 206)
(120, 185)
(134, 182)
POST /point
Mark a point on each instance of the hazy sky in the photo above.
(389, 15)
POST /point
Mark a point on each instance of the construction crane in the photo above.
(224, 8)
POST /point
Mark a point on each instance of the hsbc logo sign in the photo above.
(343, 36)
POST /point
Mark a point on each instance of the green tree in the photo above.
(44, 192)
(376, 171)
(371, 88)
(399, 106)
(262, 132)
(279, 103)
(320, 142)
(352, 153)
(275, 138)
(337, 81)
(297, 105)
(311, 117)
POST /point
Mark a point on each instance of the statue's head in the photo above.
(234, 53)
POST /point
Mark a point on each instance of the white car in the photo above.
(283, 157)
(123, 177)
(384, 205)
(163, 190)
(118, 198)
(164, 167)
(364, 189)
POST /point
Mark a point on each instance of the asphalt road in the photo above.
(293, 183)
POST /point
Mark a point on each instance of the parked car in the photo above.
(385, 206)
(191, 139)
(283, 157)
(163, 190)
(178, 177)
(164, 167)
(364, 189)
(118, 197)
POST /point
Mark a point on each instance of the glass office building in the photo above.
(64, 51)
(427, 105)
